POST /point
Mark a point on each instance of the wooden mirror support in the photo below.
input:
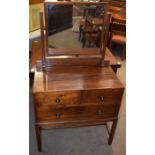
(43, 40)
(77, 56)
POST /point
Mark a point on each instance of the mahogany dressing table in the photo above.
(75, 89)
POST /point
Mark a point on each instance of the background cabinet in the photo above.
(59, 17)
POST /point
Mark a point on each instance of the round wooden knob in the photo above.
(58, 115)
(58, 100)
(102, 98)
(99, 112)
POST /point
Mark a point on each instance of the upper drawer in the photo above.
(108, 96)
(57, 98)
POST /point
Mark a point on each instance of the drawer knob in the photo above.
(57, 115)
(101, 99)
(99, 112)
(58, 99)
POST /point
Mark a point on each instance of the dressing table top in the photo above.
(76, 78)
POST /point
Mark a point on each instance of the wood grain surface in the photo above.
(76, 78)
(67, 94)
(37, 54)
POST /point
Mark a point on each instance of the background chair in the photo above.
(118, 34)
(116, 10)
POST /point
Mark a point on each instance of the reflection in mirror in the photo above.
(73, 25)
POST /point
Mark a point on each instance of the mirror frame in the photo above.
(46, 3)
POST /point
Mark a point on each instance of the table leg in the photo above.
(114, 67)
(112, 132)
(38, 137)
(123, 52)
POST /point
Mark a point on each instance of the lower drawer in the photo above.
(74, 113)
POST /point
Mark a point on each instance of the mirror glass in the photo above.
(74, 25)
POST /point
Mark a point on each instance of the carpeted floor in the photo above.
(82, 140)
(66, 38)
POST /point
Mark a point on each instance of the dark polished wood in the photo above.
(37, 54)
(66, 114)
(35, 1)
(75, 123)
(78, 96)
(112, 132)
(38, 137)
(67, 61)
(42, 36)
(74, 87)
(66, 80)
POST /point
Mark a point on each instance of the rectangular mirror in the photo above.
(74, 24)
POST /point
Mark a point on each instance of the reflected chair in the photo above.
(90, 34)
(85, 27)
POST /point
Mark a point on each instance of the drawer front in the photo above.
(57, 98)
(74, 113)
(101, 97)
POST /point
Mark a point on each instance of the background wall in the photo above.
(34, 18)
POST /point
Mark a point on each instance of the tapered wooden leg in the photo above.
(123, 52)
(31, 77)
(114, 67)
(38, 137)
(112, 132)
(110, 46)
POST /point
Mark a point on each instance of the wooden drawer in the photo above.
(57, 98)
(74, 113)
(100, 97)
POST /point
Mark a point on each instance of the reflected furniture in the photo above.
(97, 21)
(89, 33)
(59, 18)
